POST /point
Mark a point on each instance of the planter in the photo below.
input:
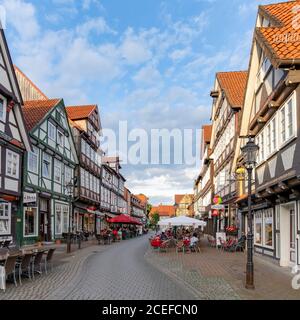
(39, 244)
(58, 241)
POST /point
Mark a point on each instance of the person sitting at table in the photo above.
(115, 234)
(163, 236)
(193, 241)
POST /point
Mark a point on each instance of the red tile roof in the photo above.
(282, 38)
(234, 85)
(207, 133)
(142, 198)
(80, 112)
(163, 211)
(34, 111)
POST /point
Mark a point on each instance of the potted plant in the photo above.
(39, 241)
(58, 241)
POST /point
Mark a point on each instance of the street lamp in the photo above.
(70, 188)
(250, 152)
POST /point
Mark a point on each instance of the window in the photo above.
(65, 218)
(83, 147)
(268, 228)
(12, 164)
(30, 222)
(51, 131)
(258, 228)
(33, 160)
(58, 221)
(261, 148)
(60, 138)
(68, 175)
(46, 170)
(273, 135)
(288, 119)
(268, 139)
(2, 108)
(5, 218)
(57, 171)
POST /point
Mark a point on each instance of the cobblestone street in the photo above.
(132, 270)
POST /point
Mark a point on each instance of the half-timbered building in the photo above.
(14, 142)
(86, 128)
(271, 115)
(228, 95)
(48, 169)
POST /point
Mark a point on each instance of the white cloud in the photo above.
(180, 54)
(97, 25)
(147, 75)
(134, 49)
(21, 16)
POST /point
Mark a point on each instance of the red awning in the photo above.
(124, 219)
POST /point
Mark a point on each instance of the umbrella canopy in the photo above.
(182, 221)
(124, 219)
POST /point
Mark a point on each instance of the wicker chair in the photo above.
(24, 265)
(9, 269)
(37, 263)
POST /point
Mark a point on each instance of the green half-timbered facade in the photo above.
(47, 171)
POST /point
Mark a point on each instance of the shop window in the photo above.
(258, 228)
(58, 222)
(5, 218)
(30, 222)
(268, 228)
(65, 218)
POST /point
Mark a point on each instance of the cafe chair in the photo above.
(37, 263)
(7, 270)
(23, 266)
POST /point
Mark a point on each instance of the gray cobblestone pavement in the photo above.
(116, 272)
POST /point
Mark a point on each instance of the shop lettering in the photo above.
(130, 311)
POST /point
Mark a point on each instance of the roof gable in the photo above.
(36, 110)
(233, 84)
(10, 88)
(281, 38)
(80, 112)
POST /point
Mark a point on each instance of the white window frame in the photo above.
(61, 134)
(50, 124)
(268, 211)
(35, 234)
(3, 117)
(13, 163)
(34, 153)
(8, 218)
(284, 108)
(49, 160)
(57, 165)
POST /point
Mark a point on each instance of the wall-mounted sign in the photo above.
(29, 197)
(218, 207)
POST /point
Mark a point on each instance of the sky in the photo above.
(151, 63)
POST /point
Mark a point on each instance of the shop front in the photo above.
(9, 206)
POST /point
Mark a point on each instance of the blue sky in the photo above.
(149, 62)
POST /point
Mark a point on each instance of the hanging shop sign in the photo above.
(215, 213)
(29, 197)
